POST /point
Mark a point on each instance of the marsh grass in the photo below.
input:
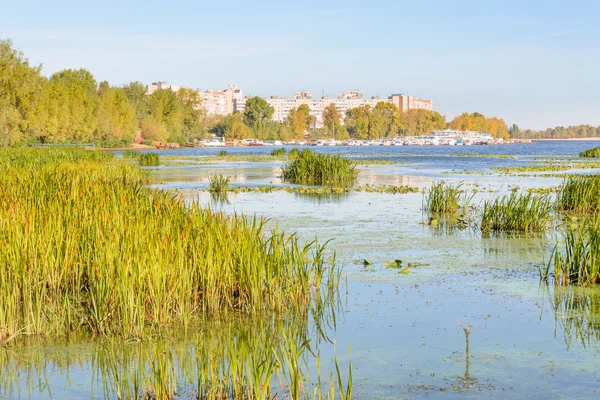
(446, 199)
(320, 169)
(293, 154)
(576, 259)
(148, 159)
(218, 184)
(86, 248)
(579, 194)
(517, 213)
(278, 152)
(591, 153)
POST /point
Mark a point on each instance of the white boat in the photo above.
(212, 143)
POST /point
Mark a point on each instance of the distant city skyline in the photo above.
(533, 63)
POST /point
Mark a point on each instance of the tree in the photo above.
(257, 109)
(514, 131)
(304, 110)
(136, 94)
(419, 121)
(357, 121)
(331, 117)
(299, 121)
(20, 86)
(384, 120)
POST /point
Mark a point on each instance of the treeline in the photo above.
(560, 132)
(70, 106)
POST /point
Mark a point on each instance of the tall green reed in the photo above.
(320, 169)
(579, 194)
(86, 248)
(517, 213)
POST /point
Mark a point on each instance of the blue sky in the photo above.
(531, 62)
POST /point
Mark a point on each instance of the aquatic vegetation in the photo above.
(293, 153)
(218, 184)
(320, 169)
(278, 152)
(517, 213)
(222, 153)
(86, 248)
(580, 194)
(548, 167)
(148, 159)
(446, 199)
(576, 260)
(591, 153)
(391, 189)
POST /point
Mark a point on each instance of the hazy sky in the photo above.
(531, 62)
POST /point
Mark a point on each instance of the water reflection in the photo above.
(577, 314)
(236, 357)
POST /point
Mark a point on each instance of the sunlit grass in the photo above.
(320, 169)
(517, 213)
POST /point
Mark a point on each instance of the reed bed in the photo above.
(218, 184)
(320, 169)
(293, 154)
(446, 199)
(278, 152)
(86, 248)
(580, 194)
(517, 213)
(591, 153)
(149, 159)
(576, 260)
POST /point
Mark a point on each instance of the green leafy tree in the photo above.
(357, 121)
(20, 86)
(257, 109)
(384, 120)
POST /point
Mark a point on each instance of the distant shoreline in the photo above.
(590, 139)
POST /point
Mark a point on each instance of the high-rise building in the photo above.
(161, 86)
(233, 96)
(405, 103)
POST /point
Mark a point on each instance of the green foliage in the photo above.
(576, 261)
(591, 153)
(72, 107)
(320, 169)
(278, 152)
(418, 122)
(222, 153)
(294, 153)
(257, 109)
(446, 199)
(580, 194)
(332, 117)
(86, 248)
(560, 132)
(149, 159)
(218, 184)
(517, 213)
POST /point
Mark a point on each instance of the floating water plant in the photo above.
(517, 213)
(580, 194)
(320, 169)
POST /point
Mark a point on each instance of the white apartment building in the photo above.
(343, 102)
(161, 86)
(214, 102)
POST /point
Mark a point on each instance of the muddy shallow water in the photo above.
(403, 328)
